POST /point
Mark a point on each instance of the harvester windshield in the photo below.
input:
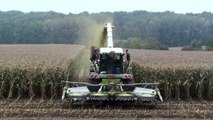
(111, 63)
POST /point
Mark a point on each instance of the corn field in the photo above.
(183, 75)
(42, 73)
(173, 58)
(178, 83)
(38, 56)
(37, 71)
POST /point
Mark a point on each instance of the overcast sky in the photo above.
(95, 6)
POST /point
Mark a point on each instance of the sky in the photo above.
(96, 6)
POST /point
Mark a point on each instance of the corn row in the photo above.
(178, 83)
(175, 83)
(31, 82)
(27, 83)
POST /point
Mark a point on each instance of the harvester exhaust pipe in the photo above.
(108, 28)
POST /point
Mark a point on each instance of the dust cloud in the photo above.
(91, 34)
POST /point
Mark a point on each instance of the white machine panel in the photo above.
(108, 50)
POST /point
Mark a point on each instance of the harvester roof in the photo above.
(109, 50)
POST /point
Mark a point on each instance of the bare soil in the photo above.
(46, 109)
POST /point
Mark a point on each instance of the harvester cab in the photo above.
(111, 79)
(110, 65)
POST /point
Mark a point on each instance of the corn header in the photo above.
(110, 79)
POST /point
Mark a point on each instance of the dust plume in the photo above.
(103, 38)
(90, 34)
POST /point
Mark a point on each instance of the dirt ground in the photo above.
(46, 110)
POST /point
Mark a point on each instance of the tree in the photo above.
(134, 43)
(168, 28)
(196, 44)
(153, 43)
(210, 44)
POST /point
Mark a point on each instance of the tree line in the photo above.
(167, 28)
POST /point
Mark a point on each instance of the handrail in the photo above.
(133, 84)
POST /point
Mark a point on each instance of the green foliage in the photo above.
(154, 44)
(210, 44)
(50, 27)
(195, 45)
(136, 43)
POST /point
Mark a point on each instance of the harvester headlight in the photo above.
(87, 98)
(153, 92)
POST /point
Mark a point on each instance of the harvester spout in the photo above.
(109, 35)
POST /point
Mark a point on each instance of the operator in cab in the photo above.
(128, 57)
(127, 60)
(94, 54)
